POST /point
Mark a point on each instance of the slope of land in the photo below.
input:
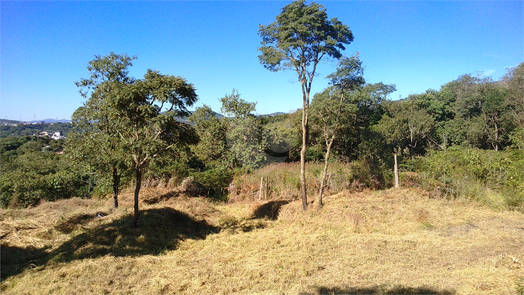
(384, 242)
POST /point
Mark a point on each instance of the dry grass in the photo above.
(283, 181)
(386, 242)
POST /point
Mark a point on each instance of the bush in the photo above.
(373, 174)
(491, 177)
(23, 189)
(213, 183)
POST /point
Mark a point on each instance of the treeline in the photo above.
(473, 112)
(357, 124)
(26, 129)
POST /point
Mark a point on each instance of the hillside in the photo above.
(383, 242)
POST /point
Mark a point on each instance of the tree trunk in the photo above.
(496, 136)
(396, 172)
(116, 185)
(324, 173)
(303, 158)
(138, 180)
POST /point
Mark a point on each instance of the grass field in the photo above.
(383, 242)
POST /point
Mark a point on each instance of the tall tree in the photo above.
(298, 40)
(333, 108)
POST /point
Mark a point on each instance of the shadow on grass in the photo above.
(15, 259)
(381, 291)
(75, 222)
(270, 209)
(159, 230)
(159, 198)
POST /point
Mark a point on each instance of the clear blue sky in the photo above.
(416, 45)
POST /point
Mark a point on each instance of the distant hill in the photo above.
(45, 121)
(49, 121)
(273, 114)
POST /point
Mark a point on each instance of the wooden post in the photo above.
(267, 187)
(396, 172)
(261, 190)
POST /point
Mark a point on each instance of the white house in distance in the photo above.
(56, 136)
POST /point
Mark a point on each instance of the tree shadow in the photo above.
(75, 222)
(270, 210)
(16, 259)
(159, 198)
(159, 230)
(380, 290)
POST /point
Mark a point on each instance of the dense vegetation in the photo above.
(464, 140)
(33, 169)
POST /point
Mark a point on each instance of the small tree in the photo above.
(335, 106)
(212, 148)
(92, 140)
(147, 131)
(405, 125)
(298, 40)
(244, 136)
(136, 118)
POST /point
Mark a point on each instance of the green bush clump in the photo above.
(366, 173)
(495, 178)
(27, 188)
(213, 183)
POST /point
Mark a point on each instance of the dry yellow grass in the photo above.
(386, 242)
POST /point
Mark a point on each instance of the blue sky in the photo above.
(416, 45)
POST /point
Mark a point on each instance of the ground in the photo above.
(397, 241)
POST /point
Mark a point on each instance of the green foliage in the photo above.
(302, 35)
(168, 169)
(244, 141)
(212, 148)
(213, 183)
(233, 105)
(494, 178)
(280, 137)
(359, 129)
(31, 173)
(406, 125)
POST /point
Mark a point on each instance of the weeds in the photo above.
(283, 181)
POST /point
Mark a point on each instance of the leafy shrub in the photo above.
(23, 189)
(373, 174)
(214, 182)
(491, 177)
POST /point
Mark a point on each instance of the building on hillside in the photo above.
(57, 136)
